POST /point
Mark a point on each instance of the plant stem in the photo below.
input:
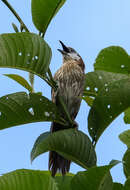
(52, 80)
(15, 14)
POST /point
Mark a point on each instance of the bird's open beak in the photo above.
(65, 49)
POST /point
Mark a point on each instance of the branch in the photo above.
(15, 14)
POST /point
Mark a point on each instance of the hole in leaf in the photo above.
(20, 53)
(47, 114)
(88, 88)
(28, 54)
(36, 57)
(100, 77)
(108, 106)
(31, 111)
(96, 89)
(122, 66)
(106, 89)
(0, 113)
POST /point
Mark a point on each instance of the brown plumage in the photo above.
(70, 80)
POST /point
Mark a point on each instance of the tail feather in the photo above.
(56, 161)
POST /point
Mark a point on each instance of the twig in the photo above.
(15, 14)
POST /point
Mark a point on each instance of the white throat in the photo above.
(74, 56)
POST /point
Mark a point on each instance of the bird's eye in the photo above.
(72, 51)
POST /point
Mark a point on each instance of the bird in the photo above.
(70, 79)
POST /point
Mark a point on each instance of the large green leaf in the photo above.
(25, 51)
(64, 182)
(110, 102)
(126, 163)
(27, 180)
(95, 81)
(21, 108)
(96, 178)
(43, 11)
(34, 180)
(19, 79)
(113, 59)
(70, 143)
(125, 138)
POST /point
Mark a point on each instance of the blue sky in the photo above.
(88, 27)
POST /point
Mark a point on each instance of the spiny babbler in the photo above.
(70, 79)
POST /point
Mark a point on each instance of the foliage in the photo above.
(107, 92)
(63, 142)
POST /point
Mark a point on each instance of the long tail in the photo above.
(57, 162)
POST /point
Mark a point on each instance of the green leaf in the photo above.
(27, 179)
(96, 178)
(64, 182)
(25, 51)
(88, 100)
(97, 80)
(113, 59)
(65, 143)
(15, 27)
(127, 116)
(126, 163)
(114, 162)
(125, 138)
(117, 186)
(127, 184)
(19, 79)
(43, 11)
(110, 102)
(21, 108)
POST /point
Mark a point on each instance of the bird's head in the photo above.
(69, 53)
